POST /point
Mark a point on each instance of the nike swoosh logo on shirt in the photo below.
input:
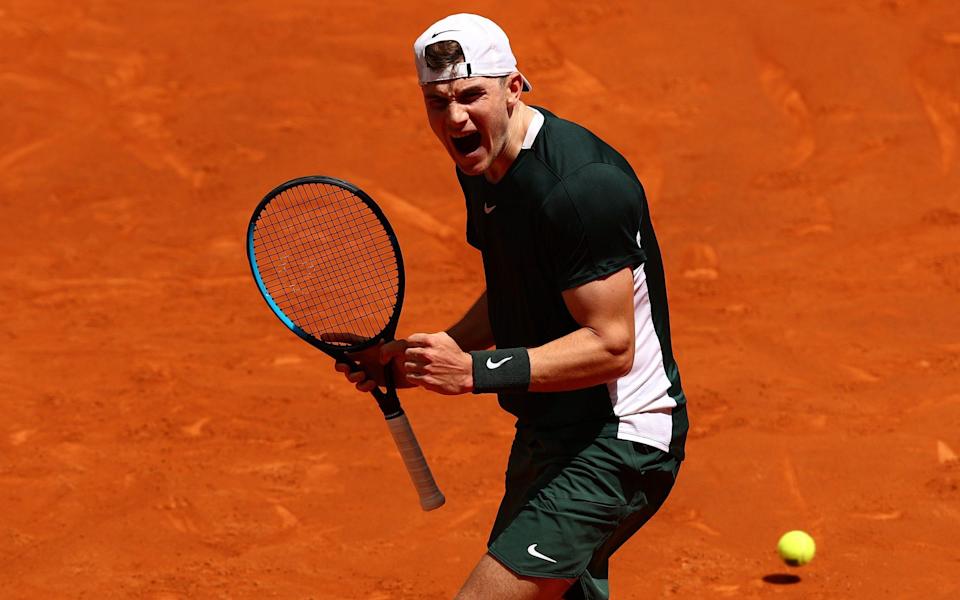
(532, 551)
(488, 209)
(496, 365)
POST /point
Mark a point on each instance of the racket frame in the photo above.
(430, 495)
(338, 352)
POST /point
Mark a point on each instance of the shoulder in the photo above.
(565, 147)
(597, 193)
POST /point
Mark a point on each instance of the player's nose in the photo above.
(457, 116)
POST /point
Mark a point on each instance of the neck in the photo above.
(516, 132)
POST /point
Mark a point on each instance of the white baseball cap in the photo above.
(486, 50)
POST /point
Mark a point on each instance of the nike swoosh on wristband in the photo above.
(496, 365)
(488, 209)
(532, 551)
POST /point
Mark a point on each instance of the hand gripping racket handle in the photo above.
(430, 495)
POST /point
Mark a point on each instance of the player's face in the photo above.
(470, 117)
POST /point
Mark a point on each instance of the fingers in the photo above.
(353, 376)
(391, 350)
(367, 385)
(419, 346)
(431, 340)
(413, 361)
(394, 348)
(359, 378)
(420, 356)
(420, 339)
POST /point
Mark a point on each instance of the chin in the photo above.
(470, 166)
(472, 170)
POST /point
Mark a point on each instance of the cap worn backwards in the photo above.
(486, 50)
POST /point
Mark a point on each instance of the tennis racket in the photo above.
(329, 266)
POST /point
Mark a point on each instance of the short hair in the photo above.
(441, 55)
(444, 54)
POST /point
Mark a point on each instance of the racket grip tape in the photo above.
(430, 495)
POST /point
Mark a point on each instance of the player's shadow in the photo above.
(782, 578)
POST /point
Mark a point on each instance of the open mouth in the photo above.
(468, 143)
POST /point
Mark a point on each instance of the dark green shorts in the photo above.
(570, 503)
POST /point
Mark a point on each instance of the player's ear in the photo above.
(513, 84)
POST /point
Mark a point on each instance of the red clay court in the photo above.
(164, 437)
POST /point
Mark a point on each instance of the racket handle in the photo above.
(430, 495)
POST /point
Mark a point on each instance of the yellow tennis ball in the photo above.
(796, 548)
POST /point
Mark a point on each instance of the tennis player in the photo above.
(576, 308)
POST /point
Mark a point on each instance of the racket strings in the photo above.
(328, 262)
(382, 249)
(350, 294)
(343, 289)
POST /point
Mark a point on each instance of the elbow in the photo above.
(624, 365)
(621, 356)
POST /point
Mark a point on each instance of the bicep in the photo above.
(605, 306)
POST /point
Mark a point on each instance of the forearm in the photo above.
(599, 351)
(580, 359)
(473, 332)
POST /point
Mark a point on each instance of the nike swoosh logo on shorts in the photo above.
(532, 551)
(496, 365)
(488, 209)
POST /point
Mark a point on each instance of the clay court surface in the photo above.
(163, 436)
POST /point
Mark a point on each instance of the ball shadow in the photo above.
(782, 578)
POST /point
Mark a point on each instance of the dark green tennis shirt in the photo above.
(568, 211)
